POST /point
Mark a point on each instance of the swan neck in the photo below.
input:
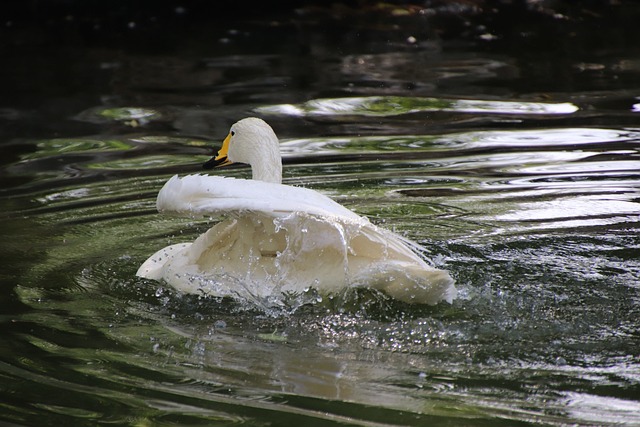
(266, 161)
(268, 171)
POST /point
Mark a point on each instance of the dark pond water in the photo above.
(510, 153)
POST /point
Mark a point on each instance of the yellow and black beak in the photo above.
(221, 159)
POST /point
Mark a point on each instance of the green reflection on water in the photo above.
(392, 144)
(130, 113)
(146, 162)
(384, 106)
(60, 146)
(162, 139)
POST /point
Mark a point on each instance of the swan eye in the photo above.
(233, 132)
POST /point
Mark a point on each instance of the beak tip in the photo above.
(215, 162)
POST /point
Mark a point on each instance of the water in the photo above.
(516, 171)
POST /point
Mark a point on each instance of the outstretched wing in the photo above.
(214, 195)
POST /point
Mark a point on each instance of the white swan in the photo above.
(278, 238)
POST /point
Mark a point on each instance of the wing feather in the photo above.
(211, 195)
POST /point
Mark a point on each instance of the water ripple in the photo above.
(386, 106)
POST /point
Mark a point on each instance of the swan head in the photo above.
(253, 142)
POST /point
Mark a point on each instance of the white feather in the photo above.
(201, 194)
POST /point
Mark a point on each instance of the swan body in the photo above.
(277, 238)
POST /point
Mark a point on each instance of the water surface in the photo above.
(527, 192)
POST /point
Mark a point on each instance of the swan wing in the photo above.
(210, 195)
